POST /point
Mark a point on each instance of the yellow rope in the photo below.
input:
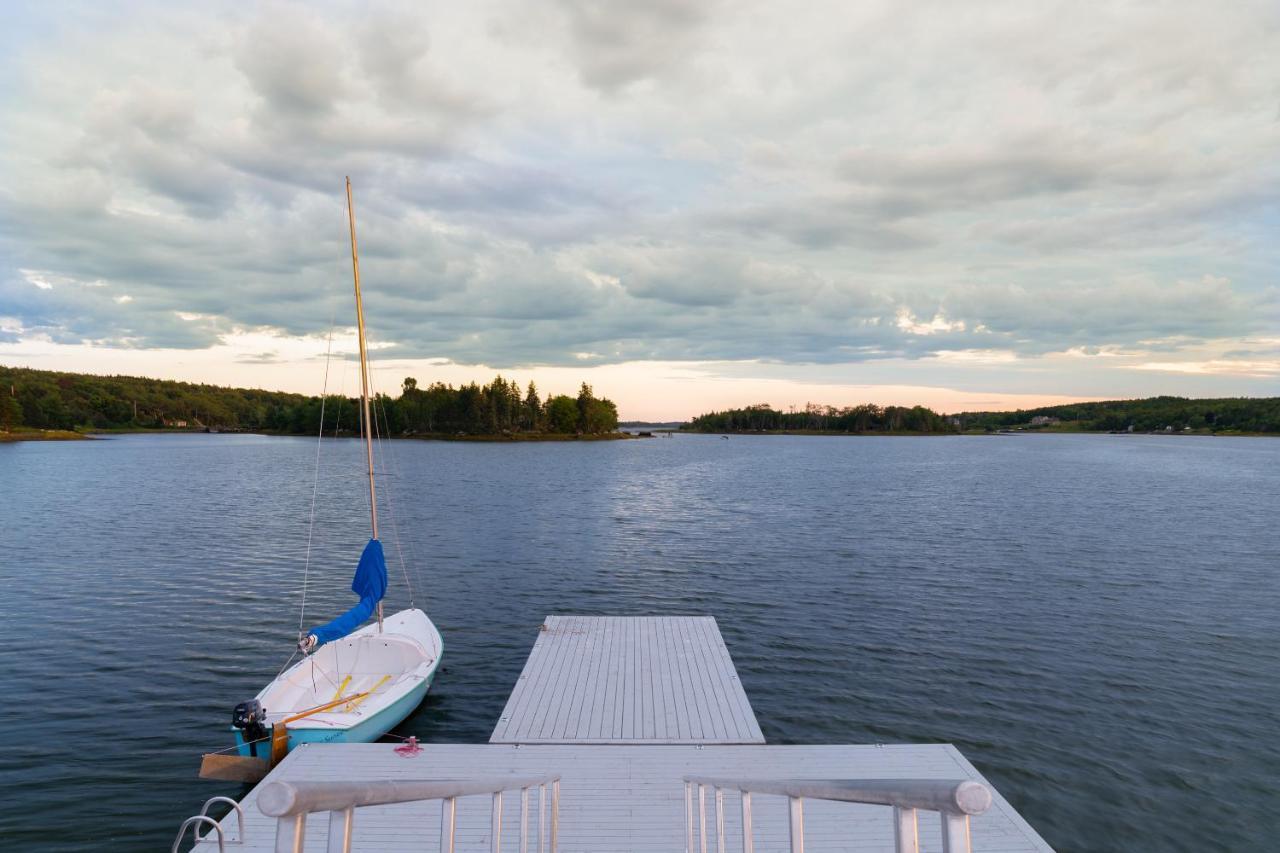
(351, 706)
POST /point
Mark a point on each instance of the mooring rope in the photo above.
(238, 745)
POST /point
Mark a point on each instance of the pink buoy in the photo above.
(409, 749)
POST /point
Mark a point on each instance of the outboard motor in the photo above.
(249, 717)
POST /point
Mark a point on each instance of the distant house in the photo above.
(1043, 420)
(170, 423)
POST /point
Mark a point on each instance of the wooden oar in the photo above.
(327, 705)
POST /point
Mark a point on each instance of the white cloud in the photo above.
(907, 322)
(1215, 367)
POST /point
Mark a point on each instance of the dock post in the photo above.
(906, 834)
(748, 842)
(542, 813)
(688, 817)
(797, 825)
(955, 833)
(702, 817)
(555, 815)
(340, 826)
(448, 823)
(720, 820)
(495, 824)
(524, 820)
(290, 833)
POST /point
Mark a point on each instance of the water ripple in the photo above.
(1092, 620)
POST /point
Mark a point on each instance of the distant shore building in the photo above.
(1043, 420)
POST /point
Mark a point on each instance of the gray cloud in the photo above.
(293, 62)
(616, 43)
(646, 181)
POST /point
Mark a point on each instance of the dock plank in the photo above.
(628, 679)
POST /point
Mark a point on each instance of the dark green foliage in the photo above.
(498, 408)
(864, 418)
(1235, 414)
(48, 400)
(52, 400)
(562, 414)
(10, 412)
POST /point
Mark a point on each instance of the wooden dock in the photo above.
(622, 709)
(628, 680)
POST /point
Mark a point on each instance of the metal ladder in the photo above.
(203, 819)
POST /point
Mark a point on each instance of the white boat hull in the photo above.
(394, 668)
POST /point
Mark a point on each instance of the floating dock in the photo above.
(628, 680)
(622, 710)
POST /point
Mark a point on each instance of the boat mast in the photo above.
(364, 376)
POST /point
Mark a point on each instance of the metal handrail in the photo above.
(291, 802)
(955, 801)
(196, 821)
(204, 812)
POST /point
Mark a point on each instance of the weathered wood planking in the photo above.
(628, 680)
(631, 798)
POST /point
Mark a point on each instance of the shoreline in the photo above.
(43, 435)
(972, 433)
(518, 438)
(492, 438)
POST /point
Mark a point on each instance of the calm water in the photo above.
(1093, 620)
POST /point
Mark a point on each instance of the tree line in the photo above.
(853, 419)
(41, 399)
(497, 408)
(1153, 414)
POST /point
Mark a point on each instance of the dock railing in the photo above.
(955, 801)
(291, 802)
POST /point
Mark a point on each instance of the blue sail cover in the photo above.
(370, 583)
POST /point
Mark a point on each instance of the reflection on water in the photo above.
(1091, 619)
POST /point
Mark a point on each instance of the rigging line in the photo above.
(392, 469)
(364, 427)
(323, 672)
(286, 663)
(388, 458)
(412, 558)
(315, 484)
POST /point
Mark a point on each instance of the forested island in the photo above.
(821, 419)
(1229, 415)
(1153, 414)
(41, 400)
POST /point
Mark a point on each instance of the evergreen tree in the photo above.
(532, 408)
(10, 412)
(584, 408)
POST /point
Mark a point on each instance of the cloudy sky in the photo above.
(689, 204)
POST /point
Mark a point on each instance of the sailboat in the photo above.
(353, 684)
